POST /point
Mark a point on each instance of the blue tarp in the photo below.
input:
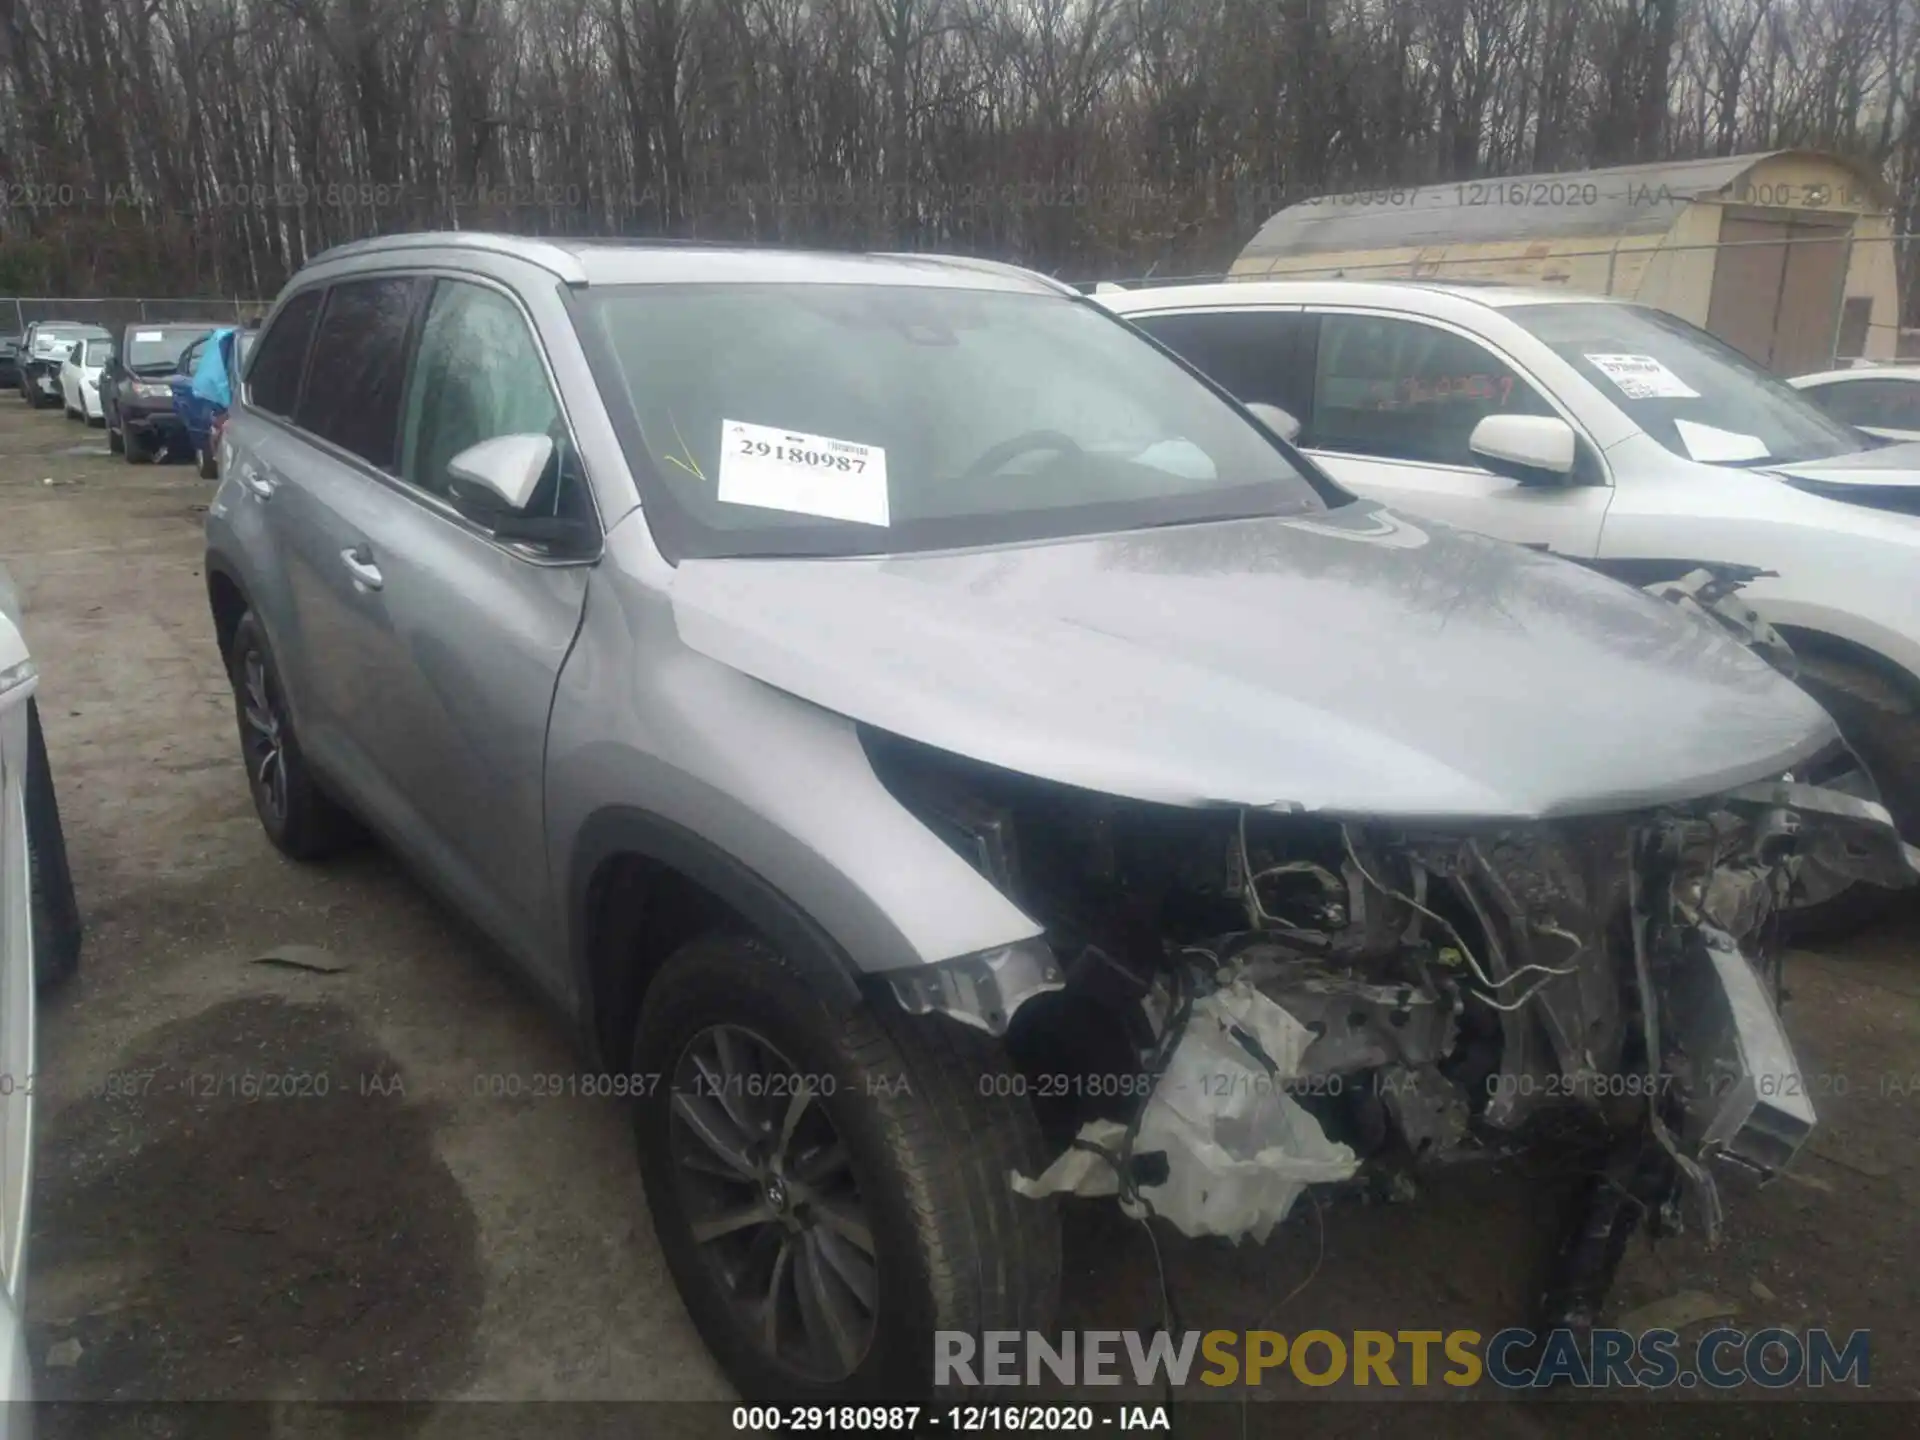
(210, 380)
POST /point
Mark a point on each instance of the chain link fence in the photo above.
(112, 313)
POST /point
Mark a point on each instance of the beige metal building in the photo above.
(1786, 254)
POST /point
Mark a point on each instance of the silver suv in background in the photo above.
(909, 723)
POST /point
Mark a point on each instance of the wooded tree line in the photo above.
(207, 146)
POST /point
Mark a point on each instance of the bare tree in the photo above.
(192, 144)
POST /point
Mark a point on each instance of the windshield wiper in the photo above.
(1220, 516)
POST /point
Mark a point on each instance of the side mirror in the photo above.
(1275, 419)
(1530, 449)
(497, 477)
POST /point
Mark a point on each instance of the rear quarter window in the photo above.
(273, 380)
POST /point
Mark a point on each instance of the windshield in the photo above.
(48, 337)
(1696, 395)
(156, 349)
(864, 419)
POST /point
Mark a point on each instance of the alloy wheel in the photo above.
(769, 1194)
(265, 742)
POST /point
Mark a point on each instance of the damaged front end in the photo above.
(1231, 1006)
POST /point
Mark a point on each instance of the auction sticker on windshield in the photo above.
(1641, 377)
(804, 474)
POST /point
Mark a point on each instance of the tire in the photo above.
(300, 818)
(135, 449)
(1883, 726)
(926, 1161)
(116, 440)
(209, 467)
(56, 909)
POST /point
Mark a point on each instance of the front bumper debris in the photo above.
(1402, 996)
(1232, 1151)
(1745, 1099)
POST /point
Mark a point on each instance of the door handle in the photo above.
(359, 563)
(262, 485)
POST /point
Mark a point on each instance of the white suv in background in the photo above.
(1609, 432)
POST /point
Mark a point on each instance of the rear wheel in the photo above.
(831, 1190)
(300, 818)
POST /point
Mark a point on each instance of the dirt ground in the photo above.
(268, 1168)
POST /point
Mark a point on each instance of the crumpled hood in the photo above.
(1877, 465)
(1352, 662)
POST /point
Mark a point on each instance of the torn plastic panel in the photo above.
(983, 991)
(1235, 1151)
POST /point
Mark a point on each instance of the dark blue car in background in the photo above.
(203, 387)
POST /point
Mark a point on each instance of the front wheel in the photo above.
(832, 1190)
(209, 466)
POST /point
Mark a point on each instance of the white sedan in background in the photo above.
(1883, 400)
(17, 927)
(80, 379)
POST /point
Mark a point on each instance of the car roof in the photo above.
(1393, 294)
(133, 325)
(1859, 372)
(82, 327)
(590, 262)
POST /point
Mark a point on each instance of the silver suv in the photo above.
(944, 753)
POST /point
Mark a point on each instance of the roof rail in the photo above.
(985, 266)
(544, 253)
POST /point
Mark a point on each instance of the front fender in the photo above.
(762, 798)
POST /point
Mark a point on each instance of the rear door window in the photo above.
(359, 366)
(1402, 390)
(273, 382)
(1257, 356)
(1886, 404)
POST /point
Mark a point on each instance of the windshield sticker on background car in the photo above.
(148, 335)
(804, 474)
(1641, 377)
(1713, 446)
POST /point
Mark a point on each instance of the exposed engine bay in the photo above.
(1231, 1006)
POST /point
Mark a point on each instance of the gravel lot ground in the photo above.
(406, 1235)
